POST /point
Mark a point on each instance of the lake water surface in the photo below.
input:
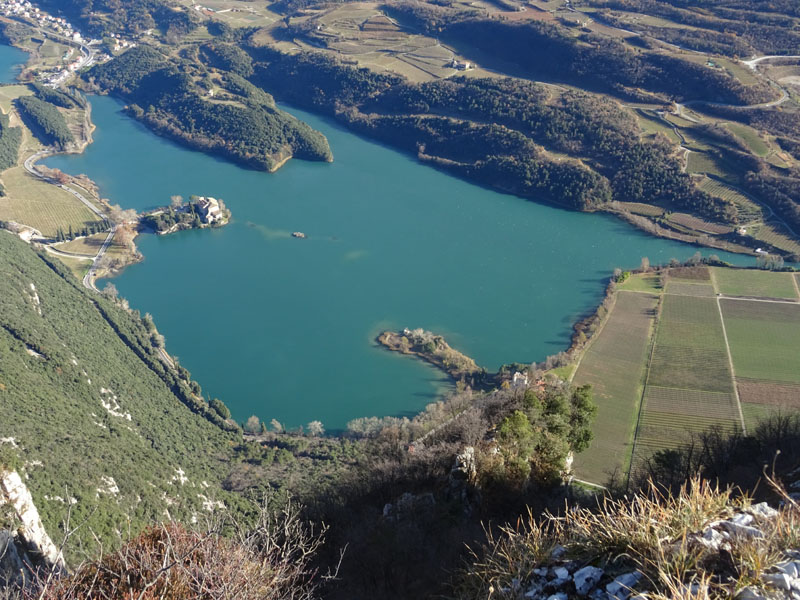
(284, 328)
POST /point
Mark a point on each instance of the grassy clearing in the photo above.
(652, 125)
(642, 282)
(77, 267)
(764, 338)
(9, 93)
(41, 205)
(614, 364)
(754, 284)
(91, 245)
(750, 137)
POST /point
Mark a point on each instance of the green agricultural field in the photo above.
(689, 383)
(41, 205)
(642, 282)
(615, 365)
(701, 162)
(764, 339)
(754, 284)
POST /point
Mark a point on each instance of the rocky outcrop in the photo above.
(29, 544)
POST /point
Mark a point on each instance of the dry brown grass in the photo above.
(652, 532)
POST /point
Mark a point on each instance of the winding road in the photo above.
(91, 274)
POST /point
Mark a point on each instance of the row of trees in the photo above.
(10, 140)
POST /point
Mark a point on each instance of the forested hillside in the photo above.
(497, 132)
(100, 17)
(86, 413)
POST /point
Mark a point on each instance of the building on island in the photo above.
(209, 210)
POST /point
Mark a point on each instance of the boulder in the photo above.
(586, 578)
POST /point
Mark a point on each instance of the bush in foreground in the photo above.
(267, 561)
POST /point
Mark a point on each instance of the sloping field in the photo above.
(41, 205)
(638, 208)
(748, 210)
(777, 235)
(689, 383)
(752, 283)
(699, 224)
(615, 365)
(764, 338)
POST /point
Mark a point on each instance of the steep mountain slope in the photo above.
(86, 412)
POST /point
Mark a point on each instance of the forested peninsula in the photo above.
(219, 113)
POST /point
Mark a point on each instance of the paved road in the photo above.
(91, 274)
(753, 62)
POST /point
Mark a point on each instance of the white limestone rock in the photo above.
(586, 578)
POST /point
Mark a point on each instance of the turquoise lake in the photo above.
(284, 328)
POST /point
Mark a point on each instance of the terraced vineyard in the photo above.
(615, 365)
(748, 210)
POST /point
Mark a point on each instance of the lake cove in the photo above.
(285, 328)
(11, 61)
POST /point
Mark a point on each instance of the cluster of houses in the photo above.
(24, 8)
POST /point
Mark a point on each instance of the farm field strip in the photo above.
(689, 385)
(764, 339)
(615, 364)
(683, 288)
(692, 274)
(699, 224)
(754, 284)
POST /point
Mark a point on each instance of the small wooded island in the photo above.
(200, 212)
(435, 350)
